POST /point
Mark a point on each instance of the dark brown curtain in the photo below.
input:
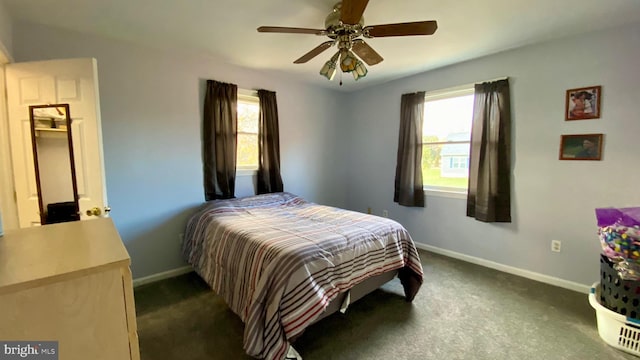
(220, 130)
(489, 194)
(408, 184)
(269, 179)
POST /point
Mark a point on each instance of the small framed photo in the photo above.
(581, 147)
(583, 103)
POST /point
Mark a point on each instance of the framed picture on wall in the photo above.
(581, 147)
(583, 103)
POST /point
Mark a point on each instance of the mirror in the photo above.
(54, 163)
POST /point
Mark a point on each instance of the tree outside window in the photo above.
(247, 148)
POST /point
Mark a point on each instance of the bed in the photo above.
(282, 263)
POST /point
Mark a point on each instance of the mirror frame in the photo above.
(43, 218)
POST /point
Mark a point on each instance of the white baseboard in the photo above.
(508, 269)
(161, 276)
(471, 259)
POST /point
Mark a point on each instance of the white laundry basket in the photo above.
(615, 329)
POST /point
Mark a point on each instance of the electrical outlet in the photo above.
(556, 245)
(385, 213)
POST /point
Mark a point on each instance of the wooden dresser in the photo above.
(71, 283)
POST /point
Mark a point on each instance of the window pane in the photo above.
(448, 119)
(248, 117)
(247, 150)
(248, 112)
(443, 170)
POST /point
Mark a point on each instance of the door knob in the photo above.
(94, 211)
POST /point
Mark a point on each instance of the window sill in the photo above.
(246, 172)
(446, 193)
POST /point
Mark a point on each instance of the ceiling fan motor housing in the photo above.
(335, 27)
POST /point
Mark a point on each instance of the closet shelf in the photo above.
(51, 129)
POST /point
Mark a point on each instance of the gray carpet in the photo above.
(463, 311)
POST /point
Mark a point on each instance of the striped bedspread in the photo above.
(278, 260)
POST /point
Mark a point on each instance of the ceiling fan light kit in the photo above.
(329, 68)
(359, 71)
(344, 25)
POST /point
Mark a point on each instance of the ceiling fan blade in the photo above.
(365, 52)
(315, 52)
(291, 30)
(402, 29)
(352, 11)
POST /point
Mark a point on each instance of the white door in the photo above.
(69, 81)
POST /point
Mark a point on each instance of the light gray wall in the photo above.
(151, 102)
(6, 31)
(339, 149)
(552, 199)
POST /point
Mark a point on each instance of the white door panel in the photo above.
(69, 81)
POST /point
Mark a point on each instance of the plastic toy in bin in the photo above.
(619, 232)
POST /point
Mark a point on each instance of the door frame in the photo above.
(8, 206)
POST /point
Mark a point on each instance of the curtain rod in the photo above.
(438, 92)
(496, 79)
(476, 82)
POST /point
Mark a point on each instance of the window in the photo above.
(247, 148)
(458, 162)
(446, 136)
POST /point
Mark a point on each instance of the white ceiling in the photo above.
(226, 29)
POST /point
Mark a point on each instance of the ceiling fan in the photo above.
(344, 26)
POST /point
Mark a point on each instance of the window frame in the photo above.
(457, 91)
(247, 96)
